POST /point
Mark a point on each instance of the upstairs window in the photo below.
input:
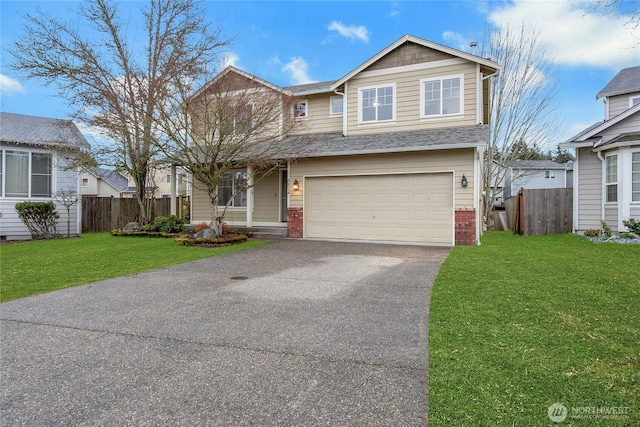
(233, 187)
(635, 177)
(441, 97)
(27, 174)
(300, 110)
(611, 183)
(633, 101)
(335, 107)
(377, 104)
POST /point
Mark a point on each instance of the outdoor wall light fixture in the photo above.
(463, 182)
(295, 186)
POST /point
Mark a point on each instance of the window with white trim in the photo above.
(635, 176)
(550, 174)
(26, 174)
(300, 110)
(441, 97)
(335, 107)
(633, 101)
(611, 182)
(233, 186)
(85, 182)
(377, 104)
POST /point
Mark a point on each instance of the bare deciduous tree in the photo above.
(232, 123)
(522, 104)
(67, 198)
(116, 81)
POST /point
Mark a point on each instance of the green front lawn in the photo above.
(30, 268)
(520, 323)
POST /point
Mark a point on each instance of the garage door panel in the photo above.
(404, 207)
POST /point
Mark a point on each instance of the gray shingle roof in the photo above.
(626, 81)
(311, 88)
(538, 164)
(113, 178)
(334, 144)
(32, 130)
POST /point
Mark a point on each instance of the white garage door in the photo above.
(407, 207)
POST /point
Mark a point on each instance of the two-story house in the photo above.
(607, 165)
(395, 155)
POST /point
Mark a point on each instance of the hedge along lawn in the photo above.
(30, 268)
(520, 323)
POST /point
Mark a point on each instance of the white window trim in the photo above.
(331, 112)
(634, 202)
(31, 152)
(441, 78)
(607, 184)
(393, 109)
(306, 110)
(633, 98)
(231, 205)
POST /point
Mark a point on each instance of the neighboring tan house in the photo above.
(537, 174)
(100, 182)
(35, 165)
(395, 155)
(607, 165)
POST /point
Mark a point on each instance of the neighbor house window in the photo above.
(233, 187)
(635, 177)
(549, 174)
(27, 174)
(300, 110)
(611, 183)
(377, 104)
(169, 179)
(85, 182)
(335, 105)
(441, 97)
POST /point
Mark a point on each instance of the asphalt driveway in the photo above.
(295, 333)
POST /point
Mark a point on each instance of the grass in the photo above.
(520, 323)
(31, 268)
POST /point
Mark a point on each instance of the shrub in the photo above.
(201, 226)
(633, 225)
(592, 232)
(39, 217)
(166, 224)
(606, 230)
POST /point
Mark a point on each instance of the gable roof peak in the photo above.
(626, 81)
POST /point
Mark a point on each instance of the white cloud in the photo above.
(457, 41)
(352, 32)
(9, 85)
(297, 70)
(572, 35)
(230, 59)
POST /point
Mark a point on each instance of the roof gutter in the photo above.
(344, 111)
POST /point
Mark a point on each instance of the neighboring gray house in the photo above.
(35, 155)
(607, 166)
(537, 174)
(105, 183)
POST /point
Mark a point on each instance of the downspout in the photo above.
(602, 186)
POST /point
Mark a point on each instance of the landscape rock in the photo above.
(207, 233)
(132, 227)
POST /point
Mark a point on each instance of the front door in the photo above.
(284, 193)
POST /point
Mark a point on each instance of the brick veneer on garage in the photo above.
(294, 222)
(465, 227)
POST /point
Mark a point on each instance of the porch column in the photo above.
(250, 196)
(173, 210)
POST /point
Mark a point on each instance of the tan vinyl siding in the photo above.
(201, 210)
(620, 103)
(589, 185)
(266, 199)
(459, 160)
(630, 124)
(319, 119)
(407, 99)
(611, 216)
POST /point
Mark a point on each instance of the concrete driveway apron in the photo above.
(295, 333)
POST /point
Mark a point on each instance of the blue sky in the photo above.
(298, 42)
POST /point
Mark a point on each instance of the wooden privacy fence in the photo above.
(108, 213)
(538, 212)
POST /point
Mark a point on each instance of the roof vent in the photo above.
(473, 45)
